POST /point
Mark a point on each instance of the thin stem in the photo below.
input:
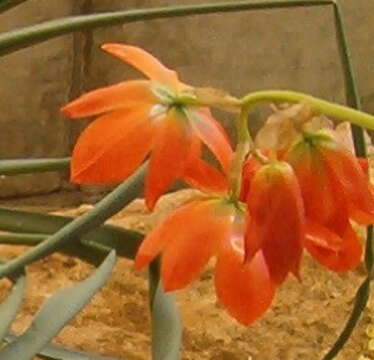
(29, 239)
(22, 238)
(244, 144)
(21, 38)
(361, 299)
(16, 221)
(8, 4)
(351, 92)
(25, 166)
(103, 210)
(336, 111)
(353, 100)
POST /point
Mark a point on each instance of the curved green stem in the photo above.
(353, 100)
(20, 38)
(8, 4)
(25, 166)
(336, 111)
(351, 92)
(360, 302)
(244, 144)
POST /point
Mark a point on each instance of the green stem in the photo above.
(25, 166)
(8, 4)
(361, 299)
(353, 100)
(103, 210)
(336, 111)
(125, 242)
(29, 239)
(21, 38)
(351, 92)
(22, 238)
(244, 143)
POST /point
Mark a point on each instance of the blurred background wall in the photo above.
(240, 52)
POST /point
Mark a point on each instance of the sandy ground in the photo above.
(302, 323)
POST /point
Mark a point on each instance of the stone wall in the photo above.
(34, 82)
(240, 52)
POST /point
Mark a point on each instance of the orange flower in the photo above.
(194, 233)
(250, 166)
(335, 189)
(277, 221)
(141, 116)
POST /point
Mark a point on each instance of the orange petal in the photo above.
(253, 240)
(144, 62)
(364, 164)
(323, 247)
(246, 290)
(250, 167)
(200, 175)
(166, 231)
(316, 187)
(276, 208)
(170, 151)
(126, 94)
(212, 134)
(195, 241)
(362, 217)
(112, 147)
(348, 176)
(322, 237)
(205, 177)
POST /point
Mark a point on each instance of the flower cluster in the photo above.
(299, 185)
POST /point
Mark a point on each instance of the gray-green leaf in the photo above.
(56, 312)
(57, 352)
(9, 307)
(166, 323)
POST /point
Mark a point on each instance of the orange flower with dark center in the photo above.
(277, 220)
(335, 189)
(142, 116)
(194, 233)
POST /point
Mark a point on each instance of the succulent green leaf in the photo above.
(107, 207)
(9, 307)
(166, 324)
(57, 352)
(56, 312)
(29, 228)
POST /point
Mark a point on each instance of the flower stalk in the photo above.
(244, 145)
(327, 108)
